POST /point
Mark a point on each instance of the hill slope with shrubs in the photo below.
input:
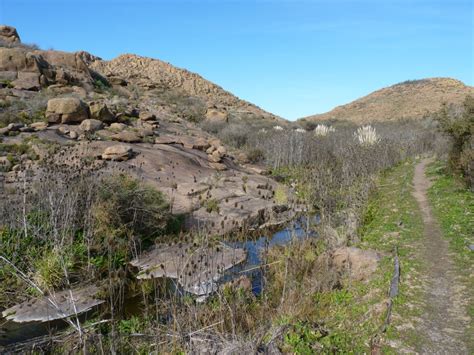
(412, 100)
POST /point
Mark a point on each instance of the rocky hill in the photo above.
(154, 74)
(411, 99)
(132, 113)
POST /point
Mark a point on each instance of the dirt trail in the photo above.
(444, 318)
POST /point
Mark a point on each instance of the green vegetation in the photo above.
(393, 221)
(460, 128)
(91, 231)
(212, 205)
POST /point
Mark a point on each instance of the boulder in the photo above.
(5, 164)
(66, 110)
(147, 116)
(127, 136)
(166, 140)
(218, 166)
(27, 81)
(7, 76)
(9, 34)
(15, 127)
(118, 126)
(73, 135)
(117, 153)
(216, 115)
(360, 264)
(63, 130)
(4, 131)
(27, 129)
(19, 60)
(100, 111)
(215, 157)
(91, 125)
(39, 126)
(145, 132)
(222, 151)
(115, 80)
(68, 67)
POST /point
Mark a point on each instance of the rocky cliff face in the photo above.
(412, 99)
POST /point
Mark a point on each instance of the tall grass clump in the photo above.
(366, 135)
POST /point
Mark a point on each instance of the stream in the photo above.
(12, 333)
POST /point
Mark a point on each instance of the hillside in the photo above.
(154, 74)
(411, 99)
(141, 112)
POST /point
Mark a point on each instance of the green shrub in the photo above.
(212, 205)
(460, 127)
(49, 273)
(127, 206)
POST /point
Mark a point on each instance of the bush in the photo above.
(459, 126)
(127, 203)
(255, 155)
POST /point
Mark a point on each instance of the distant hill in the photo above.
(412, 99)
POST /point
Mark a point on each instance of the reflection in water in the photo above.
(255, 249)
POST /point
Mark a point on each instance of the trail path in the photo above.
(444, 318)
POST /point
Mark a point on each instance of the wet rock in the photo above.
(59, 305)
(66, 110)
(117, 153)
(196, 268)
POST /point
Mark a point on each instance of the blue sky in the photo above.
(292, 58)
